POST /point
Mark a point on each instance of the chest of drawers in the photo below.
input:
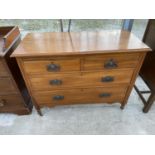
(80, 67)
(14, 96)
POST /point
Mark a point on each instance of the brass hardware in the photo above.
(105, 95)
(107, 79)
(53, 67)
(110, 64)
(58, 97)
(55, 82)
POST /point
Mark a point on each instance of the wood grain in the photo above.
(80, 96)
(10, 100)
(8, 36)
(91, 67)
(13, 93)
(82, 80)
(40, 66)
(73, 43)
(3, 72)
(97, 62)
(13, 103)
(133, 79)
(6, 85)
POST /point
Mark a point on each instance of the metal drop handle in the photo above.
(107, 79)
(110, 64)
(55, 82)
(53, 67)
(58, 97)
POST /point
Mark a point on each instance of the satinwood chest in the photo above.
(80, 67)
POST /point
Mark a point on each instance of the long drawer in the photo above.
(79, 96)
(103, 78)
(6, 85)
(111, 61)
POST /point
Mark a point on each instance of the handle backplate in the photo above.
(55, 82)
(104, 95)
(110, 64)
(58, 97)
(53, 67)
(107, 79)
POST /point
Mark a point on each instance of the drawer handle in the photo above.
(105, 95)
(110, 64)
(107, 79)
(2, 103)
(58, 97)
(53, 67)
(55, 82)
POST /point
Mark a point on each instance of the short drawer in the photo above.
(3, 71)
(106, 78)
(79, 96)
(51, 65)
(10, 101)
(6, 85)
(111, 61)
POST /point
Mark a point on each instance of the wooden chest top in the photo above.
(58, 43)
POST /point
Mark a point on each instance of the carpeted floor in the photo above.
(84, 119)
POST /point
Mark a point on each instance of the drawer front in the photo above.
(111, 61)
(3, 71)
(79, 96)
(51, 66)
(105, 78)
(8, 101)
(6, 85)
